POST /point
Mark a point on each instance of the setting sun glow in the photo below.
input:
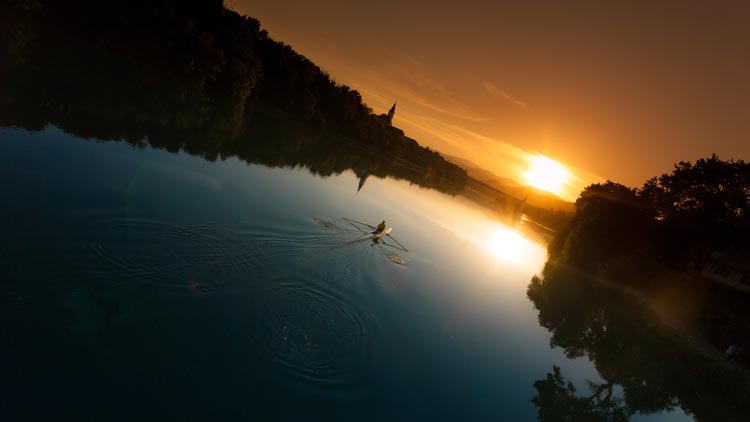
(546, 174)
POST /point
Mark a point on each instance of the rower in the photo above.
(380, 228)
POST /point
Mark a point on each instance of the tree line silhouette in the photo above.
(674, 218)
(659, 238)
(198, 77)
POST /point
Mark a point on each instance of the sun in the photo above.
(546, 174)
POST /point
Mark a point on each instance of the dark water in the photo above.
(139, 284)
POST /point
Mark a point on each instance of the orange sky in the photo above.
(614, 91)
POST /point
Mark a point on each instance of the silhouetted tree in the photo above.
(609, 221)
(707, 202)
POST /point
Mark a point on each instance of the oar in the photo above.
(359, 229)
(352, 224)
(392, 246)
(350, 221)
(398, 243)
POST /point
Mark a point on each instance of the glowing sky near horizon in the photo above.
(616, 91)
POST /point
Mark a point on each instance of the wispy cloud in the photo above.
(493, 90)
(414, 90)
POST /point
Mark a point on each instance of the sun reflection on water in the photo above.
(506, 244)
(467, 233)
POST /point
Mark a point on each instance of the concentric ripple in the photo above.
(200, 259)
(314, 335)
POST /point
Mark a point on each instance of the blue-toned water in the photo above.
(140, 284)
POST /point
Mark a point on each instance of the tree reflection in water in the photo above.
(557, 400)
(654, 369)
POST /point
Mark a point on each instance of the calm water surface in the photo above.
(141, 284)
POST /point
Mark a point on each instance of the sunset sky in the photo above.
(616, 91)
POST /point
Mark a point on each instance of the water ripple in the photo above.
(315, 335)
(201, 258)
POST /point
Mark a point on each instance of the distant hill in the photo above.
(536, 197)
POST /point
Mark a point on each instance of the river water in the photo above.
(139, 283)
